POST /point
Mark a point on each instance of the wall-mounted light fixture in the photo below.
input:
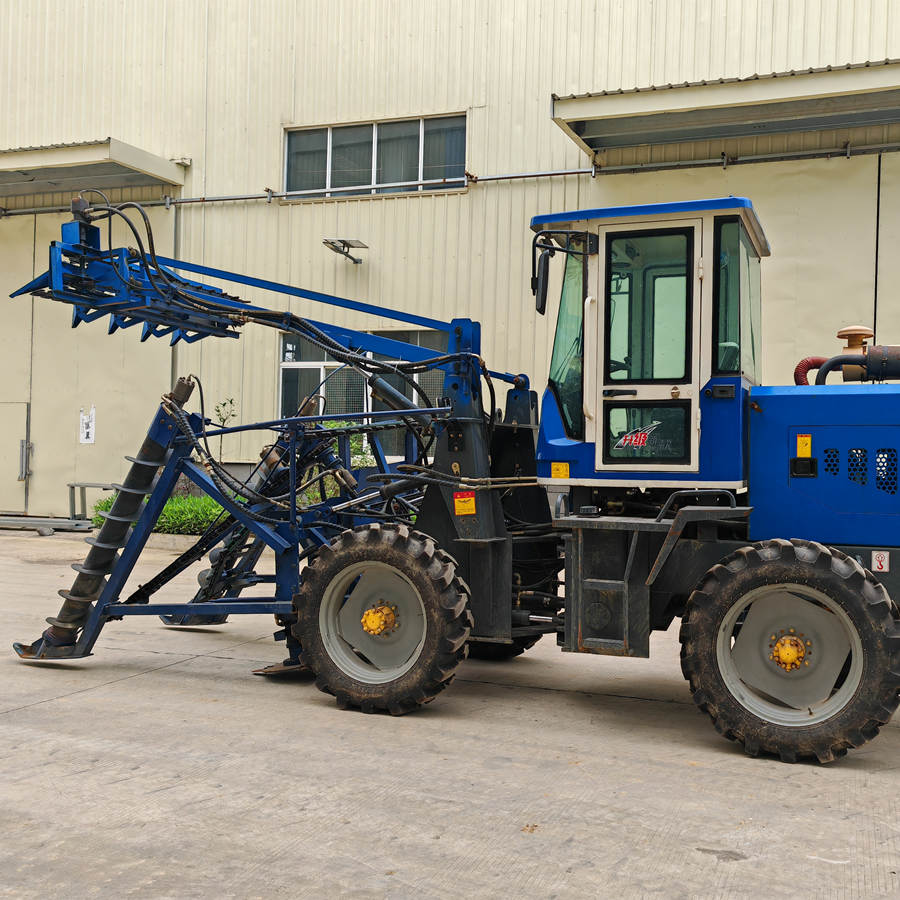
(342, 246)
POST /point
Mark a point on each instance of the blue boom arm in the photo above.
(274, 508)
(133, 287)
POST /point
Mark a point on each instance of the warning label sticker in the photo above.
(881, 561)
(559, 470)
(464, 503)
(804, 446)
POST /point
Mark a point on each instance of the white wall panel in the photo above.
(78, 368)
(888, 323)
(219, 81)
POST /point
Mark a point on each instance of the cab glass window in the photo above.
(737, 305)
(648, 306)
(751, 311)
(646, 431)
(566, 362)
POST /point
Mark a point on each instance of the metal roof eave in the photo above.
(62, 167)
(736, 205)
(737, 79)
(811, 100)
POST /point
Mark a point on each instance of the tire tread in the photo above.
(748, 730)
(432, 675)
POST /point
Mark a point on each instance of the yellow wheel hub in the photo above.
(381, 619)
(789, 650)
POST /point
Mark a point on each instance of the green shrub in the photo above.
(187, 514)
(180, 515)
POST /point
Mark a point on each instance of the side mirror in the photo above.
(541, 281)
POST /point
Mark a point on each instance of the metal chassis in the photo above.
(608, 595)
(285, 538)
(119, 284)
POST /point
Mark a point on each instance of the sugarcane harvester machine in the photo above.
(661, 479)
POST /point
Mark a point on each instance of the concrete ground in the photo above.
(161, 767)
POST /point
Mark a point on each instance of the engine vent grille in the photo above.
(858, 465)
(886, 470)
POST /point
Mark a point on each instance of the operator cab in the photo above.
(657, 344)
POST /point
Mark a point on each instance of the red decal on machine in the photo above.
(637, 437)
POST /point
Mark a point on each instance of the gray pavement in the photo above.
(161, 767)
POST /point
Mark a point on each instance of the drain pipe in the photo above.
(269, 195)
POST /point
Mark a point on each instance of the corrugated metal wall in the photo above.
(59, 371)
(219, 81)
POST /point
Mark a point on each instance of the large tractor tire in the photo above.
(792, 648)
(383, 618)
(492, 652)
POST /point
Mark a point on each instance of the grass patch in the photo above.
(180, 515)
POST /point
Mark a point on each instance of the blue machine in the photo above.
(646, 290)
(823, 465)
(274, 509)
(812, 461)
(688, 489)
(763, 517)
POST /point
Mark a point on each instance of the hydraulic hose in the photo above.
(803, 368)
(846, 359)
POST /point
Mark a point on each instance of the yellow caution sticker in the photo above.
(464, 503)
(804, 445)
(559, 470)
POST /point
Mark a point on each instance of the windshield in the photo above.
(566, 364)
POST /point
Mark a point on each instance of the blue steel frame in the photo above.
(115, 283)
(127, 288)
(284, 537)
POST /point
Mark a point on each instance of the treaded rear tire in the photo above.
(491, 652)
(447, 618)
(843, 580)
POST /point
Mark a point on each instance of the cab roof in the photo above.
(740, 206)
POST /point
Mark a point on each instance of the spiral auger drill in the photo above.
(60, 640)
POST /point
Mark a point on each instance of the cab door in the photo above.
(649, 341)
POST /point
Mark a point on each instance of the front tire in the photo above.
(792, 648)
(383, 618)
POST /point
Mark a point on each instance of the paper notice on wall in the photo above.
(87, 421)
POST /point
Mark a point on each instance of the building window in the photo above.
(310, 373)
(377, 158)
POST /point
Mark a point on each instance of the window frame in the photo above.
(718, 222)
(577, 431)
(373, 188)
(688, 233)
(717, 371)
(324, 365)
(610, 406)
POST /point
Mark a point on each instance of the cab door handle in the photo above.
(589, 354)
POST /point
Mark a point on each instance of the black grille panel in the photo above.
(886, 470)
(858, 465)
